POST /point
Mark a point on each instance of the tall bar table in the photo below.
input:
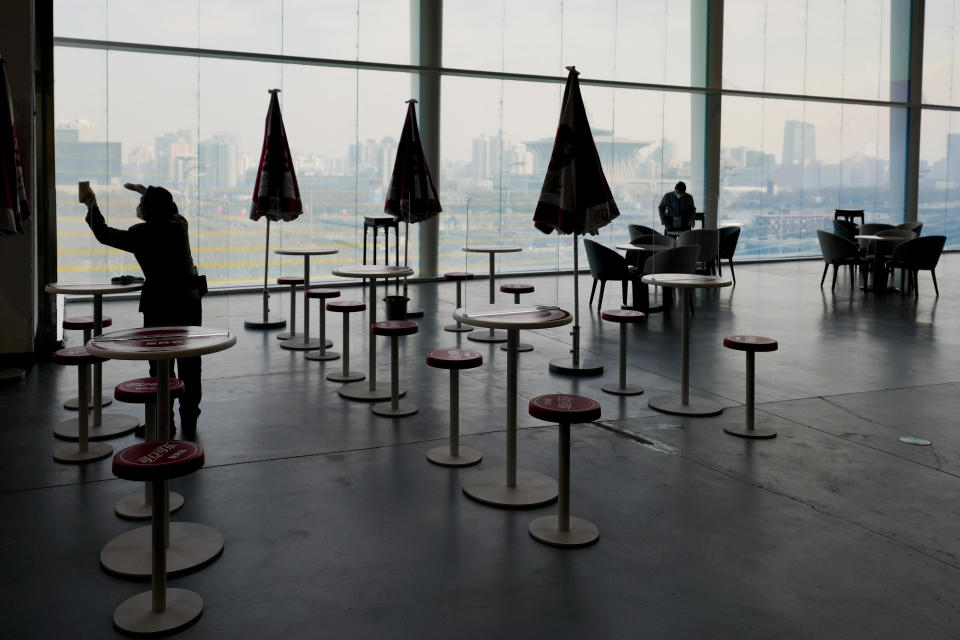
(102, 426)
(189, 545)
(683, 404)
(305, 343)
(369, 391)
(511, 487)
(493, 250)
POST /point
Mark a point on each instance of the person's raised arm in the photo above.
(116, 238)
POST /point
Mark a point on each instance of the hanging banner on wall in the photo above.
(14, 208)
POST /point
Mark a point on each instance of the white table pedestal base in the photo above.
(490, 487)
(326, 355)
(442, 457)
(580, 534)
(695, 407)
(71, 454)
(584, 367)
(350, 377)
(299, 344)
(617, 390)
(488, 336)
(135, 507)
(756, 432)
(191, 545)
(386, 409)
(265, 324)
(136, 615)
(357, 391)
(112, 425)
(74, 403)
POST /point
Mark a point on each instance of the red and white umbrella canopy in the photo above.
(575, 197)
(14, 208)
(411, 196)
(276, 194)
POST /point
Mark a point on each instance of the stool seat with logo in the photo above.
(454, 360)
(564, 530)
(144, 390)
(750, 343)
(394, 329)
(160, 610)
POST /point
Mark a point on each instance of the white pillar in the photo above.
(426, 24)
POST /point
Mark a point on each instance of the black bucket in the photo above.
(396, 307)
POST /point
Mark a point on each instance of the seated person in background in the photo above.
(677, 211)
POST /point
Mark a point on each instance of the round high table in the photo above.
(369, 391)
(881, 245)
(511, 487)
(101, 426)
(493, 250)
(683, 404)
(189, 545)
(305, 343)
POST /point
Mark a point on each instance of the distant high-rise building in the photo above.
(799, 142)
(953, 157)
(219, 159)
(80, 156)
(172, 151)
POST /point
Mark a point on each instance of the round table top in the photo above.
(512, 316)
(627, 246)
(686, 281)
(306, 251)
(160, 343)
(492, 248)
(372, 271)
(95, 288)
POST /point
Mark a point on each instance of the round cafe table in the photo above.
(369, 391)
(101, 426)
(189, 545)
(493, 250)
(304, 343)
(511, 487)
(683, 404)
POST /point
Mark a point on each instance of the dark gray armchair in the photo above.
(606, 264)
(838, 252)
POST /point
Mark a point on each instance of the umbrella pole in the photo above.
(406, 252)
(576, 300)
(266, 268)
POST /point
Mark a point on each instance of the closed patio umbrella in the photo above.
(575, 199)
(411, 197)
(276, 195)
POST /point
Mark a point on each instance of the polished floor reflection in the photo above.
(336, 525)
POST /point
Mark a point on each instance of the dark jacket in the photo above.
(671, 206)
(162, 248)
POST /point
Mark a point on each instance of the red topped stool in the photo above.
(322, 354)
(139, 506)
(454, 359)
(564, 530)
(458, 277)
(293, 281)
(516, 290)
(623, 317)
(86, 324)
(346, 307)
(750, 345)
(85, 451)
(394, 329)
(160, 610)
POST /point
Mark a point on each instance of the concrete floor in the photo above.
(336, 525)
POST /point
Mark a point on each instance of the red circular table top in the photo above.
(155, 343)
(158, 460)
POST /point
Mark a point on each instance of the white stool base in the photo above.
(71, 454)
(488, 336)
(134, 507)
(299, 344)
(461, 329)
(357, 391)
(112, 425)
(696, 406)
(616, 390)
(74, 403)
(547, 530)
(286, 335)
(442, 457)
(522, 346)
(327, 355)
(350, 377)
(265, 324)
(756, 432)
(136, 615)
(386, 409)
(490, 487)
(584, 367)
(192, 545)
